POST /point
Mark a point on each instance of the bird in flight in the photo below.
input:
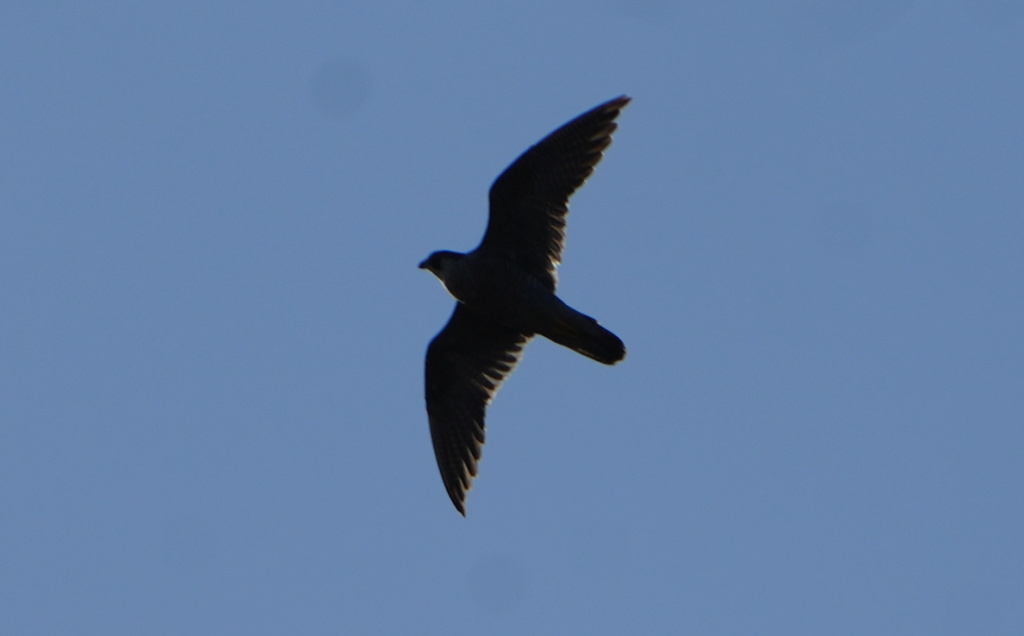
(505, 290)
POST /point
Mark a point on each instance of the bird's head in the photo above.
(440, 263)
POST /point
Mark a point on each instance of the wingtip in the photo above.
(619, 102)
(459, 506)
(611, 107)
(457, 491)
(610, 111)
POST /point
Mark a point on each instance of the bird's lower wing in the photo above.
(466, 363)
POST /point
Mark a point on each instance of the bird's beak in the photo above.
(423, 265)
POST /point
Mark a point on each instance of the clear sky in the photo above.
(808, 232)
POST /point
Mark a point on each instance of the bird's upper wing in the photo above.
(530, 200)
(466, 363)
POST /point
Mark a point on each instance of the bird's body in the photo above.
(521, 303)
(505, 290)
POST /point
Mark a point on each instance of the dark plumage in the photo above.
(506, 292)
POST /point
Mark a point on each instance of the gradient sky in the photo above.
(808, 232)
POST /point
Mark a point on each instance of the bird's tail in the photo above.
(584, 335)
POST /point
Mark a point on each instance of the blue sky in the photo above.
(808, 232)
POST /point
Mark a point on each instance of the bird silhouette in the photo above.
(505, 290)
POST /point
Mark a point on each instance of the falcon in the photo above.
(505, 290)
